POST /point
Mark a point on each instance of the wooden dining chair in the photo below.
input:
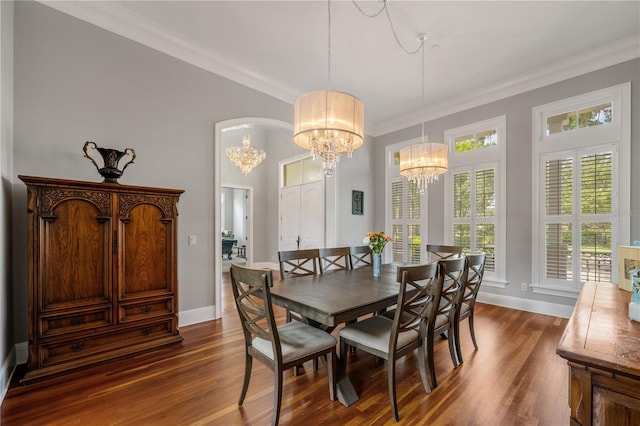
(392, 339)
(454, 273)
(279, 348)
(334, 259)
(440, 252)
(467, 298)
(361, 257)
(297, 263)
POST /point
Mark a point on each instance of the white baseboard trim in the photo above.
(535, 306)
(8, 368)
(195, 316)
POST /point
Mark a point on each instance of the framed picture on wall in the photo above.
(356, 202)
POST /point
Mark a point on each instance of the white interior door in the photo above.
(302, 216)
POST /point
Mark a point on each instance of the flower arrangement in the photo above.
(377, 240)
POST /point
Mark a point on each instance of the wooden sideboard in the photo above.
(602, 348)
(102, 276)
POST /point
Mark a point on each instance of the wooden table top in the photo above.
(600, 332)
(336, 297)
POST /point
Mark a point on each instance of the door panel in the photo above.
(289, 217)
(302, 216)
(311, 215)
(75, 255)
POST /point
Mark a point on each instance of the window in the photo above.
(406, 213)
(406, 218)
(474, 193)
(580, 176)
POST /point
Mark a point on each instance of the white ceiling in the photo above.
(477, 51)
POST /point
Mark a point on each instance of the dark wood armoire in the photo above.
(102, 272)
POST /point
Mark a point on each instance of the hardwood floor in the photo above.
(515, 378)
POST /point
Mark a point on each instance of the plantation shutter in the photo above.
(406, 217)
(579, 218)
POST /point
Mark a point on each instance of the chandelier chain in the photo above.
(329, 45)
(422, 88)
(393, 30)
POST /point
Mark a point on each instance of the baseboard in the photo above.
(195, 316)
(8, 368)
(535, 306)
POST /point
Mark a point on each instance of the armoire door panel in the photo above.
(75, 256)
(146, 252)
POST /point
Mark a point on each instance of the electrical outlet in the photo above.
(524, 286)
(193, 240)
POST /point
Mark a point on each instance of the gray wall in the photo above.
(518, 110)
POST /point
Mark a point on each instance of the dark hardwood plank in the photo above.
(514, 378)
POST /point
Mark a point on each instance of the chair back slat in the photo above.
(296, 263)
(361, 256)
(334, 259)
(441, 252)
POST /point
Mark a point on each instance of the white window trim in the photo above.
(392, 172)
(493, 156)
(619, 130)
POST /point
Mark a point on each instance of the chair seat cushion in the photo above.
(297, 341)
(374, 332)
(464, 308)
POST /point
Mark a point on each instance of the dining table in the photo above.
(333, 298)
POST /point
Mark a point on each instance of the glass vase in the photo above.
(377, 264)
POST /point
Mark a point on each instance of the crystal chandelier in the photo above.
(424, 162)
(328, 123)
(245, 157)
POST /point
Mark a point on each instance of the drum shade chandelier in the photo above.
(423, 162)
(328, 123)
(245, 157)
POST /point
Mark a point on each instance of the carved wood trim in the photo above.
(127, 201)
(51, 197)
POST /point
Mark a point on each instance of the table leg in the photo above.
(344, 388)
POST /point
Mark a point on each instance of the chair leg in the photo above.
(422, 365)
(431, 362)
(247, 376)
(277, 396)
(331, 372)
(456, 333)
(391, 377)
(452, 344)
(472, 330)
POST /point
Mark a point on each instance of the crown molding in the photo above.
(116, 19)
(611, 54)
